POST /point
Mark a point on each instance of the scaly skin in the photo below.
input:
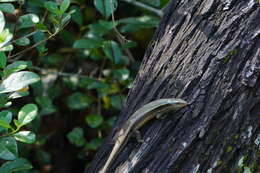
(138, 119)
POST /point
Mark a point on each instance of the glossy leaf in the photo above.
(27, 114)
(2, 21)
(7, 7)
(22, 42)
(8, 148)
(5, 38)
(19, 164)
(28, 20)
(15, 66)
(25, 136)
(52, 7)
(17, 81)
(19, 94)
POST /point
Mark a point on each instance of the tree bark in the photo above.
(206, 52)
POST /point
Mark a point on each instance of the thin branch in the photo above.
(45, 71)
(35, 45)
(144, 6)
(119, 36)
(122, 38)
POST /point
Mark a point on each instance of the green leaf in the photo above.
(89, 43)
(121, 74)
(15, 66)
(5, 38)
(94, 120)
(2, 60)
(104, 7)
(8, 148)
(77, 16)
(78, 101)
(17, 81)
(111, 121)
(46, 105)
(6, 48)
(134, 24)
(41, 27)
(65, 19)
(27, 114)
(39, 36)
(19, 164)
(116, 101)
(3, 100)
(25, 136)
(6, 116)
(7, 7)
(22, 41)
(28, 20)
(2, 21)
(101, 87)
(64, 5)
(155, 3)
(112, 51)
(101, 28)
(5, 124)
(76, 137)
(86, 81)
(94, 144)
(52, 7)
(19, 94)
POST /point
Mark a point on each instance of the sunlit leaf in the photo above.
(17, 81)
(27, 114)
(28, 20)
(25, 136)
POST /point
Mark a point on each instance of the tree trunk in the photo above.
(206, 52)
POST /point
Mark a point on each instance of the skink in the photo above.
(138, 119)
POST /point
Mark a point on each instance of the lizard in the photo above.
(137, 120)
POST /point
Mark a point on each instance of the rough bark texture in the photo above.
(208, 53)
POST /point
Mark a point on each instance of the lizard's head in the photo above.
(177, 103)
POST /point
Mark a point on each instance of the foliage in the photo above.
(85, 68)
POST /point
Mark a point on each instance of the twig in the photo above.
(45, 71)
(144, 6)
(127, 51)
(119, 36)
(33, 46)
(123, 39)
